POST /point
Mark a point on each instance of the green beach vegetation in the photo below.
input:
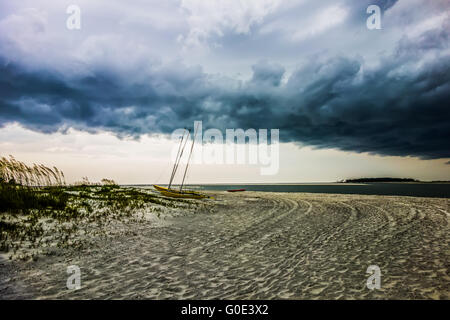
(38, 209)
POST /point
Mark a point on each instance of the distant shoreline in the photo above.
(387, 180)
(347, 182)
(411, 189)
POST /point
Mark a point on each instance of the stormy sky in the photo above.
(309, 68)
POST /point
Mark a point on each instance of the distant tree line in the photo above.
(379, 180)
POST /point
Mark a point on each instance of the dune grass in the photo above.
(20, 199)
(47, 216)
(38, 209)
(16, 172)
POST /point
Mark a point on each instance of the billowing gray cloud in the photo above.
(265, 73)
(398, 106)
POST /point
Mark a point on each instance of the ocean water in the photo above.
(440, 190)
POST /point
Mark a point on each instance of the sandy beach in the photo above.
(257, 245)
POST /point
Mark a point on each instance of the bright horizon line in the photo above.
(272, 183)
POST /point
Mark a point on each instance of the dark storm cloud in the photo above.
(398, 108)
(266, 73)
(328, 104)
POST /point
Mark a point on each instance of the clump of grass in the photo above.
(104, 182)
(16, 172)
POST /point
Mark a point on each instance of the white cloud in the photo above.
(23, 33)
(321, 22)
(213, 18)
(429, 23)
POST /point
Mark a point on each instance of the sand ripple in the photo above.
(261, 246)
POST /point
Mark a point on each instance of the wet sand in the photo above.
(258, 245)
